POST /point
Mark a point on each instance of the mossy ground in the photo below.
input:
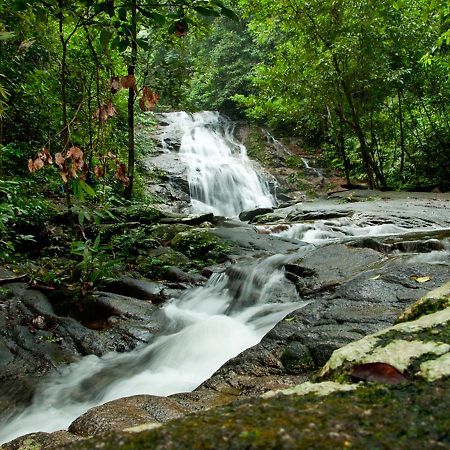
(407, 416)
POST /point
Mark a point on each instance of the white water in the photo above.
(337, 229)
(221, 177)
(206, 327)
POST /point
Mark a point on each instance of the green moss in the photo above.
(257, 149)
(424, 307)
(409, 416)
(164, 233)
(200, 245)
(296, 358)
(156, 266)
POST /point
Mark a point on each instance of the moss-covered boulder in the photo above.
(418, 349)
(200, 245)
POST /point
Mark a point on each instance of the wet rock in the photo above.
(192, 219)
(180, 276)
(126, 413)
(124, 306)
(304, 214)
(41, 441)
(140, 289)
(246, 216)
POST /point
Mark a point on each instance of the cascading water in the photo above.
(206, 327)
(221, 177)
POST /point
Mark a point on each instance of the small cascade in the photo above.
(206, 327)
(221, 177)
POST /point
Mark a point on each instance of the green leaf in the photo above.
(229, 13)
(207, 11)
(122, 14)
(6, 35)
(105, 37)
(86, 188)
(156, 17)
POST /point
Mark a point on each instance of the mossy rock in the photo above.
(158, 262)
(436, 300)
(140, 213)
(200, 245)
(164, 233)
(411, 416)
(296, 358)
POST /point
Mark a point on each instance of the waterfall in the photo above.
(221, 177)
(205, 328)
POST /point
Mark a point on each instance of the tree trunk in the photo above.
(65, 131)
(131, 98)
(402, 135)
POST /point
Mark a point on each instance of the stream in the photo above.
(207, 326)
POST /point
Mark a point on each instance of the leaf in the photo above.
(86, 188)
(105, 38)
(206, 11)
(148, 100)
(421, 279)
(378, 372)
(6, 35)
(110, 110)
(115, 85)
(229, 13)
(98, 171)
(156, 17)
(128, 82)
(59, 159)
(181, 28)
(121, 174)
(376, 277)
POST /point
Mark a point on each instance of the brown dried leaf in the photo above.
(181, 28)
(128, 82)
(121, 174)
(114, 84)
(77, 157)
(98, 171)
(110, 110)
(378, 372)
(30, 165)
(148, 100)
(63, 176)
(38, 164)
(59, 160)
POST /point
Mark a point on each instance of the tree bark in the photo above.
(131, 98)
(65, 131)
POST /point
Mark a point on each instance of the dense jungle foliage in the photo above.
(366, 83)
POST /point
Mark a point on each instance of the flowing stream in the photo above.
(205, 328)
(221, 177)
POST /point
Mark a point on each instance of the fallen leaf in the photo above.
(422, 279)
(378, 372)
(375, 277)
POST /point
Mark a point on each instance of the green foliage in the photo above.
(96, 264)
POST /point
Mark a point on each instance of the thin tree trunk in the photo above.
(131, 98)
(402, 135)
(65, 132)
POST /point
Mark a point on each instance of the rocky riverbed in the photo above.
(356, 278)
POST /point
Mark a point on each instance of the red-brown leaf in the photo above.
(148, 100)
(30, 165)
(378, 372)
(38, 164)
(59, 159)
(128, 82)
(110, 110)
(114, 84)
(121, 174)
(99, 172)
